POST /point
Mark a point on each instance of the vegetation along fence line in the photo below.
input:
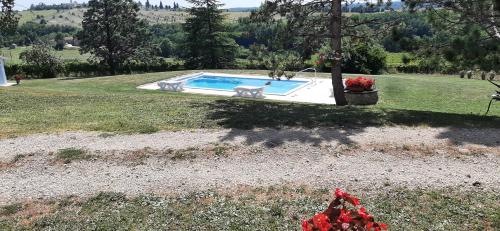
(84, 69)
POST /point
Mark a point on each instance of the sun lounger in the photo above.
(249, 91)
(171, 85)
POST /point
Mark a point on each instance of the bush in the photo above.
(85, 69)
(358, 58)
(41, 62)
(364, 58)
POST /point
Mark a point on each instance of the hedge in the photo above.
(84, 69)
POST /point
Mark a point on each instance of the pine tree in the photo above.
(113, 32)
(161, 5)
(8, 17)
(207, 44)
(148, 5)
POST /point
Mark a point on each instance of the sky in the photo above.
(23, 4)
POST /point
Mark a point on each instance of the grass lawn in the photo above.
(113, 104)
(66, 55)
(395, 59)
(253, 209)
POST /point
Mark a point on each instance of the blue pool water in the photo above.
(225, 83)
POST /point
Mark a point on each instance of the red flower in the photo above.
(306, 226)
(360, 84)
(344, 217)
(376, 226)
(364, 215)
(339, 194)
(339, 216)
(322, 222)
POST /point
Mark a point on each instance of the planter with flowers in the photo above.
(344, 213)
(18, 78)
(361, 91)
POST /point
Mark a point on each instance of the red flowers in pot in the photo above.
(339, 217)
(18, 78)
(359, 84)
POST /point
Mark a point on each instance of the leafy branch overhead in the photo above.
(485, 13)
(8, 17)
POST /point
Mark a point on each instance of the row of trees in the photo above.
(175, 6)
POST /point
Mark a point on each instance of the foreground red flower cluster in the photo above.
(359, 84)
(339, 217)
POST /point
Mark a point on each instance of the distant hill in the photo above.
(73, 17)
(396, 5)
(242, 9)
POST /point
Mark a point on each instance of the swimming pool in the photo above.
(228, 83)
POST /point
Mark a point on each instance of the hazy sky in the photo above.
(23, 4)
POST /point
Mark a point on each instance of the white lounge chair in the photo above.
(171, 85)
(250, 91)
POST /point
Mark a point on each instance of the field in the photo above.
(74, 17)
(112, 104)
(66, 55)
(395, 59)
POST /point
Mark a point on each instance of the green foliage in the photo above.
(280, 62)
(166, 48)
(472, 49)
(361, 57)
(207, 43)
(113, 33)
(59, 40)
(364, 58)
(8, 17)
(41, 62)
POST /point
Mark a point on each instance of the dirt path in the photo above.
(178, 162)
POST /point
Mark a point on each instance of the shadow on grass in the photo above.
(267, 117)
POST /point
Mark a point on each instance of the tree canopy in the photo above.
(113, 33)
(207, 44)
(8, 18)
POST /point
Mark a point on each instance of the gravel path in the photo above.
(348, 158)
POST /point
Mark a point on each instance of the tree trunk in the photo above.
(336, 44)
(109, 43)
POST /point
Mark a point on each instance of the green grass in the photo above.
(395, 59)
(65, 55)
(113, 104)
(71, 154)
(260, 209)
(10, 209)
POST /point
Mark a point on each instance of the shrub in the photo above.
(41, 62)
(364, 58)
(339, 217)
(406, 59)
(491, 75)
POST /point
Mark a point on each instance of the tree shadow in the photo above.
(264, 119)
(271, 137)
(486, 137)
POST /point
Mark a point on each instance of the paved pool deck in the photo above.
(316, 91)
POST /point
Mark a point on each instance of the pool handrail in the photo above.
(307, 69)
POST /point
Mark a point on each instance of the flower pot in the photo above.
(356, 89)
(362, 98)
